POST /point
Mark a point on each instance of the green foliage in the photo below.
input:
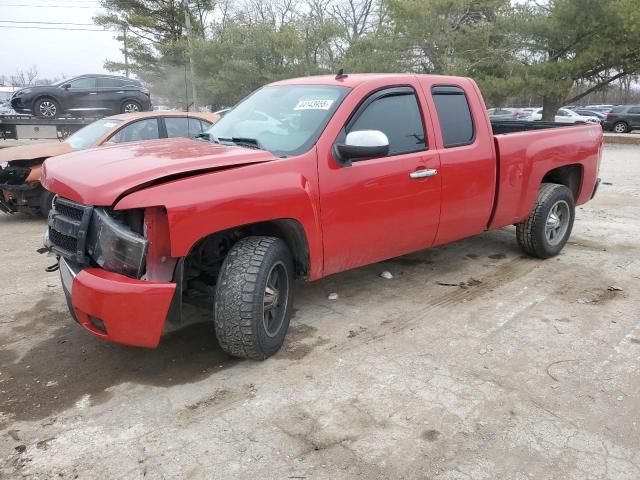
(525, 52)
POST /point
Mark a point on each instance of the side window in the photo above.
(454, 115)
(634, 110)
(182, 127)
(177, 127)
(86, 82)
(204, 126)
(140, 130)
(563, 113)
(109, 83)
(398, 117)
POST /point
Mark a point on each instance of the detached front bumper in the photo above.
(115, 307)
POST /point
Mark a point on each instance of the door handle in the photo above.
(93, 93)
(424, 173)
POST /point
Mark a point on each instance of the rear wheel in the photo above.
(620, 127)
(254, 296)
(46, 108)
(130, 106)
(549, 225)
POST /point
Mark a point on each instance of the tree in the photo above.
(24, 78)
(563, 43)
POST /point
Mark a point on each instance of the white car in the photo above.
(565, 115)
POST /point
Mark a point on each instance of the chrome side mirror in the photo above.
(361, 144)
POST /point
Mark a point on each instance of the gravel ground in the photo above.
(524, 369)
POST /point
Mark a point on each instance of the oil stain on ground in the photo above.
(300, 342)
(71, 364)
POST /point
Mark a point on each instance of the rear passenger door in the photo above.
(467, 158)
(379, 208)
(634, 116)
(110, 94)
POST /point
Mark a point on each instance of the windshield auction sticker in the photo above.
(313, 105)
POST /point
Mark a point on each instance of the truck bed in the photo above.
(526, 152)
(501, 127)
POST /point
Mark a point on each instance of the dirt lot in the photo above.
(525, 369)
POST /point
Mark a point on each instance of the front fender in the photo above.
(208, 203)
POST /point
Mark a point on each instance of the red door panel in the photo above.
(374, 210)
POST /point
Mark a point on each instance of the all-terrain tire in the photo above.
(241, 297)
(46, 203)
(532, 233)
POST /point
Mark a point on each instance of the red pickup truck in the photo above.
(304, 178)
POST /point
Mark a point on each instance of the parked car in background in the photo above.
(86, 94)
(527, 112)
(588, 113)
(600, 108)
(623, 119)
(501, 114)
(565, 115)
(20, 167)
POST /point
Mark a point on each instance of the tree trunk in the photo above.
(550, 105)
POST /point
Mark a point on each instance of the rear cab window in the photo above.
(454, 114)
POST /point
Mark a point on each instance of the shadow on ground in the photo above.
(71, 363)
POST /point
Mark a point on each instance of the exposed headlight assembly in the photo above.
(116, 247)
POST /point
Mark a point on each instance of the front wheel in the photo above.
(254, 297)
(46, 108)
(549, 225)
(46, 203)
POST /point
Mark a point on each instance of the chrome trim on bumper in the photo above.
(69, 271)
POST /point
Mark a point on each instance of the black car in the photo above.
(623, 119)
(95, 94)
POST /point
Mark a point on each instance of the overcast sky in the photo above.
(53, 52)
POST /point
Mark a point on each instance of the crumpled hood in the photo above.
(37, 150)
(100, 176)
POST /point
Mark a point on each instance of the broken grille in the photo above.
(68, 227)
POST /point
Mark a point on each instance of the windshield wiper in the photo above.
(240, 141)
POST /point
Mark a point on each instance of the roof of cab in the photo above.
(349, 80)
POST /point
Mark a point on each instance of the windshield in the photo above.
(286, 120)
(61, 82)
(86, 137)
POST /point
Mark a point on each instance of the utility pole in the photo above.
(126, 51)
(187, 21)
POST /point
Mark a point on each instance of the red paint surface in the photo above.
(133, 311)
(351, 216)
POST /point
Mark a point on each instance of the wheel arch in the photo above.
(568, 175)
(290, 230)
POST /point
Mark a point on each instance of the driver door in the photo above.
(381, 208)
(82, 94)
